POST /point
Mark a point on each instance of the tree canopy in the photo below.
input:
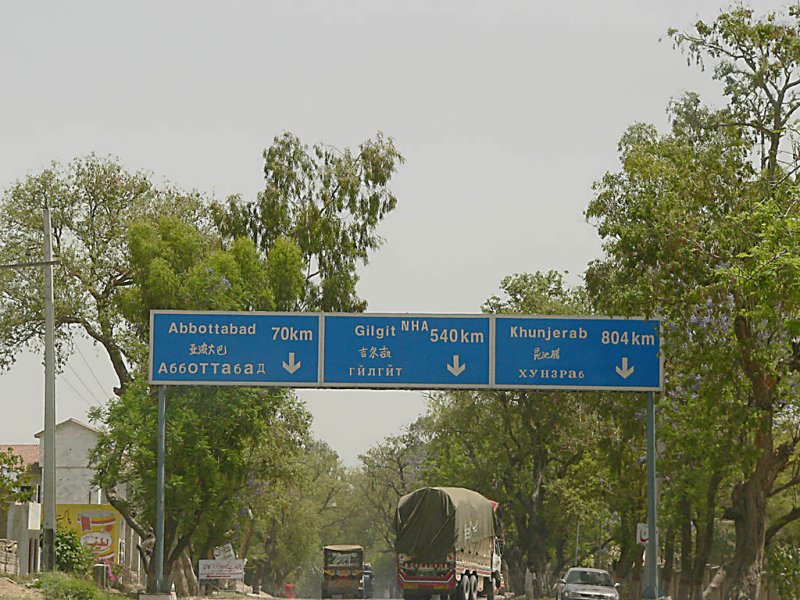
(328, 202)
(700, 227)
(92, 202)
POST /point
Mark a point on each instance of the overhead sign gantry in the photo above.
(406, 351)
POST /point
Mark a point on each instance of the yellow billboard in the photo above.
(97, 526)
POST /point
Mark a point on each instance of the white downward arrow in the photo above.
(456, 368)
(291, 366)
(624, 371)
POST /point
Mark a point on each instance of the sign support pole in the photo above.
(162, 441)
(651, 588)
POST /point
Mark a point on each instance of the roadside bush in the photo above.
(71, 555)
(119, 577)
(60, 586)
(784, 569)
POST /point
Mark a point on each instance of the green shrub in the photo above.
(60, 586)
(783, 567)
(71, 555)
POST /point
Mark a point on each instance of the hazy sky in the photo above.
(506, 112)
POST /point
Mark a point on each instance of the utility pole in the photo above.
(49, 471)
(49, 441)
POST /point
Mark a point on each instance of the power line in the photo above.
(78, 348)
(91, 393)
(65, 380)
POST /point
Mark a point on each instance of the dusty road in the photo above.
(14, 591)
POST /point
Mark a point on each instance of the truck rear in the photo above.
(342, 571)
(446, 544)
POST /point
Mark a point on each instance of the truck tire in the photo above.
(463, 588)
(473, 587)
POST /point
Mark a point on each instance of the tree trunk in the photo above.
(714, 585)
(263, 574)
(624, 566)
(179, 579)
(560, 560)
(516, 571)
(244, 547)
(749, 506)
(705, 536)
(150, 588)
(636, 574)
(669, 562)
(744, 571)
(687, 550)
(185, 579)
(537, 559)
(258, 575)
(151, 577)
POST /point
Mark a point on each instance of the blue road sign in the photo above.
(191, 348)
(406, 351)
(577, 353)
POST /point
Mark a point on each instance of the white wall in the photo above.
(23, 526)
(73, 474)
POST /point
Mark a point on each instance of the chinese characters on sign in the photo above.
(405, 351)
(234, 348)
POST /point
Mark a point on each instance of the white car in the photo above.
(582, 583)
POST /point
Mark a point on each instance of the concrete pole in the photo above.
(49, 467)
(651, 583)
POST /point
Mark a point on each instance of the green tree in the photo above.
(328, 202)
(701, 226)
(219, 439)
(173, 263)
(14, 478)
(92, 201)
(289, 521)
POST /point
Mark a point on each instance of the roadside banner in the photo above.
(97, 526)
(221, 569)
(224, 551)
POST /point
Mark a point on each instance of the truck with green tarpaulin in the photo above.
(446, 540)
